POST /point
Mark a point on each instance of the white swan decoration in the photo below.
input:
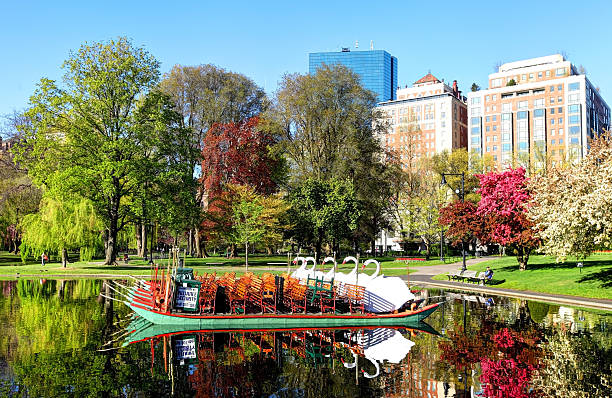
(301, 269)
(331, 274)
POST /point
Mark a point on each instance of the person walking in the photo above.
(44, 258)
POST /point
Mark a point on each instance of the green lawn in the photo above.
(11, 265)
(544, 275)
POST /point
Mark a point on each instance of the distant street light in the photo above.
(461, 194)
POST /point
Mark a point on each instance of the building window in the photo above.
(506, 107)
(494, 148)
(547, 73)
(560, 71)
(494, 97)
(552, 121)
(505, 147)
(523, 105)
(521, 115)
(552, 100)
(561, 142)
(488, 128)
(560, 133)
(574, 130)
(496, 82)
(538, 112)
(573, 86)
(552, 132)
(560, 121)
(574, 119)
(560, 87)
(538, 102)
(531, 76)
(539, 75)
(552, 111)
(560, 99)
(524, 77)
(487, 119)
(494, 138)
(495, 128)
(487, 98)
(494, 118)
(574, 108)
(552, 88)
(560, 110)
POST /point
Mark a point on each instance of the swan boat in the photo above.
(250, 302)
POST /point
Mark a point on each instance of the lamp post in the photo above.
(461, 194)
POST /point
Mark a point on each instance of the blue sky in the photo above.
(264, 40)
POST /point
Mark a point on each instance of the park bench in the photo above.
(455, 275)
(470, 276)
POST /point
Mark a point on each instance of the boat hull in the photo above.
(282, 321)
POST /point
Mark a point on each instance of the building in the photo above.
(377, 68)
(536, 110)
(427, 118)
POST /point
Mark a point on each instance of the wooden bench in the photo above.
(470, 276)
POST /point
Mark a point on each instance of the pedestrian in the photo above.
(44, 258)
(489, 273)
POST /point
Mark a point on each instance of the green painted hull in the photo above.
(141, 330)
(285, 321)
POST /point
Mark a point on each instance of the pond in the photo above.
(60, 338)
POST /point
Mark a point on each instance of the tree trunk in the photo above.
(138, 228)
(246, 256)
(190, 242)
(522, 256)
(198, 243)
(373, 246)
(143, 234)
(111, 237)
(64, 257)
(318, 247)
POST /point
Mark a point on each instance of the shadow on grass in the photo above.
(604, 277)
(553, 265)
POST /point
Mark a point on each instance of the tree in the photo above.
(460, 161)
(206, 95)
(464, 224)
(87, 138)
(511, 82)
(571, 205)
(59, 226)
(475, 87)
(504, 200)
(324, 211)
(239, 153)
(327, 122)
(421, 212)
(247, 221)
(330, 129)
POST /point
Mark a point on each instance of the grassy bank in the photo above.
(544, 275)
(11, 266)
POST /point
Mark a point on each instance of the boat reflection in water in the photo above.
(207, 358)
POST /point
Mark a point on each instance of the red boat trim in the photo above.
(294, 316)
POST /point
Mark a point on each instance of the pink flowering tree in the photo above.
(504, 200)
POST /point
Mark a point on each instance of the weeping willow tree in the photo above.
(62, 225)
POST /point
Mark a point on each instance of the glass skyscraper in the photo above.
(377, 68)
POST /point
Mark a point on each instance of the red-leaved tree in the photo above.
(464, 225)
(504, 197)
(238, 153)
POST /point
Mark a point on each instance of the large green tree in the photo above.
(324, 211)
(331, 129)
(88, 136)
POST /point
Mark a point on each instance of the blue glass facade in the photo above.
(377, 69)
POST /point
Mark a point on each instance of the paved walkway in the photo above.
(423, 275)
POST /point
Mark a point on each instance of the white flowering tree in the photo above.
(572, 205)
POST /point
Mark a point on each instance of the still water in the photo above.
(61, 339)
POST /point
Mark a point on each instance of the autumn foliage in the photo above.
(238, 153)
